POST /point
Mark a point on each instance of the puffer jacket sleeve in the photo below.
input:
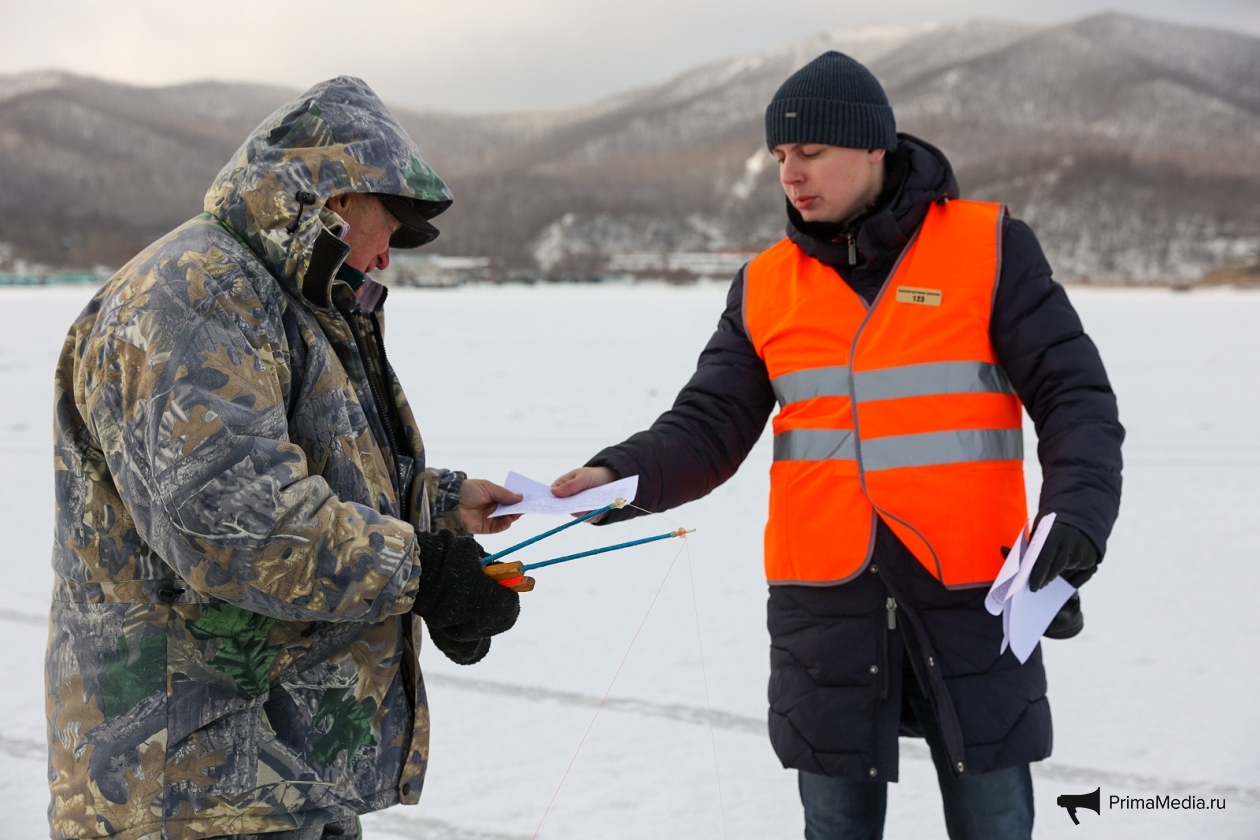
(186, 394)
(714, 422)
(439, 489)
(1058, 373)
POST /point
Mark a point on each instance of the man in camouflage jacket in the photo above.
(244, 518)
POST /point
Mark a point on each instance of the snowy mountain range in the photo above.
(1131, 146)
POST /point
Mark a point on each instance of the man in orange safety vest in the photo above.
(901, 331)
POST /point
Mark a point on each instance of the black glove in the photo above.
(1068, 621)
(461, 653)
(1067, 552)
(455, 596)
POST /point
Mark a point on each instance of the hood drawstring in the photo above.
(303, 198)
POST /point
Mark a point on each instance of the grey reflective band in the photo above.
(892, 383)
(811, 382)
(886, 453)
(933, 378)
(814, 445)
(925, 450)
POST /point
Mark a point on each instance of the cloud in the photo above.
(492, 55)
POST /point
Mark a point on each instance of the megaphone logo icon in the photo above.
(1072, 801)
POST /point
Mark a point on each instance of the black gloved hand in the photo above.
(1067, 552)
(455, 595)
(461, 653)
(1068, 621)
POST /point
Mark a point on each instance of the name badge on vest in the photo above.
(923, 297)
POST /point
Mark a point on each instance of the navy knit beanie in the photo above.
(832, 100)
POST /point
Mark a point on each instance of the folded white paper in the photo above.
(538, 498)
(1026, 614)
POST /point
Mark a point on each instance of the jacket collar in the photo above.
(882, 233)
(327, 254)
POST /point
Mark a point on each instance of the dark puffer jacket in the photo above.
(838, 653)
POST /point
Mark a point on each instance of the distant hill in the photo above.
(1133, 148)
(92, 171)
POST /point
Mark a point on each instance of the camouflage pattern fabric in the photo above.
(231, 648)
(349, 829)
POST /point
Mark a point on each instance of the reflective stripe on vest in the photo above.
(931, 448)
(909, 381)
(812, 382)
(919, 450)
(900, 410)
(815, 445)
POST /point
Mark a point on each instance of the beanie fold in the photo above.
(855, 125)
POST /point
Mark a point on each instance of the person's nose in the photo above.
(790, 174)
(382, 260)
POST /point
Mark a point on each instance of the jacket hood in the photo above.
(881, 234)
(336, 138)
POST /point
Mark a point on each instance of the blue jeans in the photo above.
(987, 806)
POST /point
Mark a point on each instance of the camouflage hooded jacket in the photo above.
(231, 646)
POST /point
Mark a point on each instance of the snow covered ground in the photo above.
(1157, 696)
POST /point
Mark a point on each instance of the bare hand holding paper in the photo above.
(538, 498)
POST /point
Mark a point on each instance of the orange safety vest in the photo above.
(898, 410)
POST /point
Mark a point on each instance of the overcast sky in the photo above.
(482, 56)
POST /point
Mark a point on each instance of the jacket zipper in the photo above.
(407, 475)
(885, 638)
(378, 397)
(852, 249)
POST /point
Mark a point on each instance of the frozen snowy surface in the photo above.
(1157, 696)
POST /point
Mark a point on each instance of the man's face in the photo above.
(371, 226)
(829, 183)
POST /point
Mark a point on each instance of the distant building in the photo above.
(54, 278)
(434, 270)
(720, 265)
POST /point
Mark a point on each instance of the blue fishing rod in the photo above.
(512, 575)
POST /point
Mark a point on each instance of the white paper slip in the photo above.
(1018, 565)
(1031, 613)
(538, 498)
(1026, 614)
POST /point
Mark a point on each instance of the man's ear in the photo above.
(338, 203)
(877, 155)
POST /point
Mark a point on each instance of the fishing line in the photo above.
(704, 672)
(652, 513)
(691, 576)
(659, 589)
(681, 532)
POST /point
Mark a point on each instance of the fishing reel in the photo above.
(510, 575)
